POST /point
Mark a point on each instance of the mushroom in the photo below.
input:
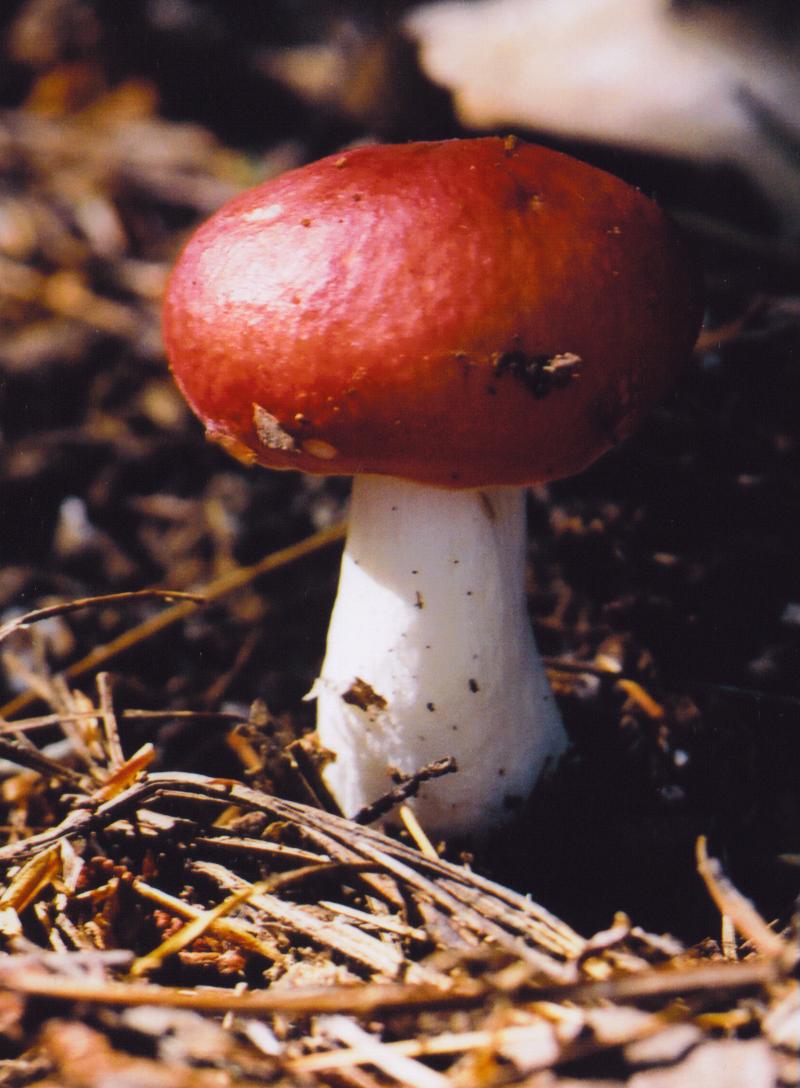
(448, 322)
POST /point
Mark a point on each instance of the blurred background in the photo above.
(665, 582)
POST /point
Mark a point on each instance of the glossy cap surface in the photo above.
(463, 313)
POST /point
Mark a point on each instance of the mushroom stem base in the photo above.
(430, 654)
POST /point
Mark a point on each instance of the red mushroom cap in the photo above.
(462, 313)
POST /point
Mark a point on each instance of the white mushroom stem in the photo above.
(430, 654)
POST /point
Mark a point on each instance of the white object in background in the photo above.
(706, 83)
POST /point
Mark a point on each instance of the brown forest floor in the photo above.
(149, 776)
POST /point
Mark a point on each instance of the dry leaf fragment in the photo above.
(668, 1046)
(85, 1059)
(728, 1063)
(31, 878)
(782, 1022)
